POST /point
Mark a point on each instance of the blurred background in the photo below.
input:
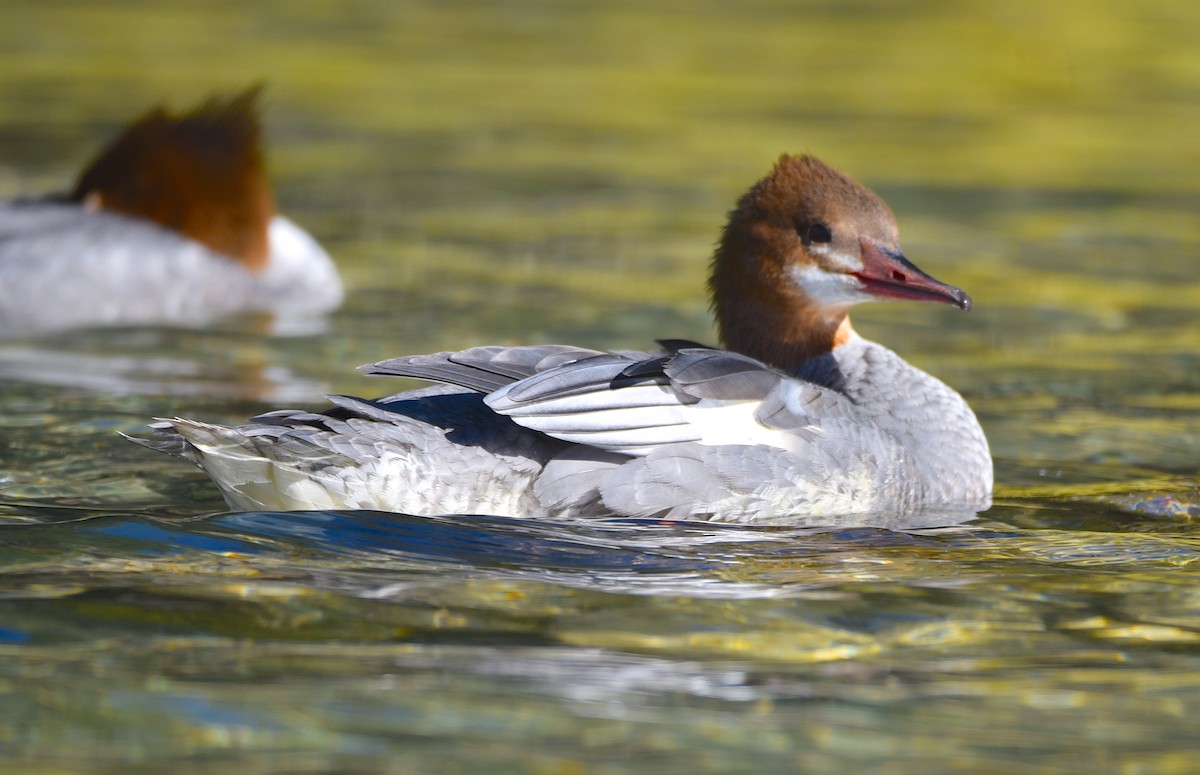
(536, 171)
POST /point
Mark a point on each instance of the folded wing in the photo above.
(695, 395)
(482, 369)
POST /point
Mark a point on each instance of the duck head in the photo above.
(802, 247)
(200, 173)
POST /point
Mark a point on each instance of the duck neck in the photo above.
(781, 328)
(784, 342)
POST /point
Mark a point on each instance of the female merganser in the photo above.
(173, 223)
(800, 416)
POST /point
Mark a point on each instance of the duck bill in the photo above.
(888, 274)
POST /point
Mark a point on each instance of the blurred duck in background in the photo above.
(174, 223)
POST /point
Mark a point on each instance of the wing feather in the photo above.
(482, 369)
(633, 407)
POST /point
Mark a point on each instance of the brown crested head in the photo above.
(803, 245)
(200, 173)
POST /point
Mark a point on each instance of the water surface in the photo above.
(535, 172)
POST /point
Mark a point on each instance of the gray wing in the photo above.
(482, 369)
(686, 396)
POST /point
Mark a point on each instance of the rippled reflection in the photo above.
(323, 632)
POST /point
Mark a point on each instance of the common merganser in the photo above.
(173, 223)
(799, 416)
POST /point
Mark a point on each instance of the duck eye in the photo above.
(818, 232)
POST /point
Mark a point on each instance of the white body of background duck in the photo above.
(799, 416)
(173, 223)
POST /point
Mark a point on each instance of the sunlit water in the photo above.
(535, 172)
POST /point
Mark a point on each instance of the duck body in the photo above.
(811, 420)
(173, 223)
(694, 433)
(66, 266)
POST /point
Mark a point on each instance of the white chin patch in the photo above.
(829, 288)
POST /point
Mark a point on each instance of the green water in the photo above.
(558, 171)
